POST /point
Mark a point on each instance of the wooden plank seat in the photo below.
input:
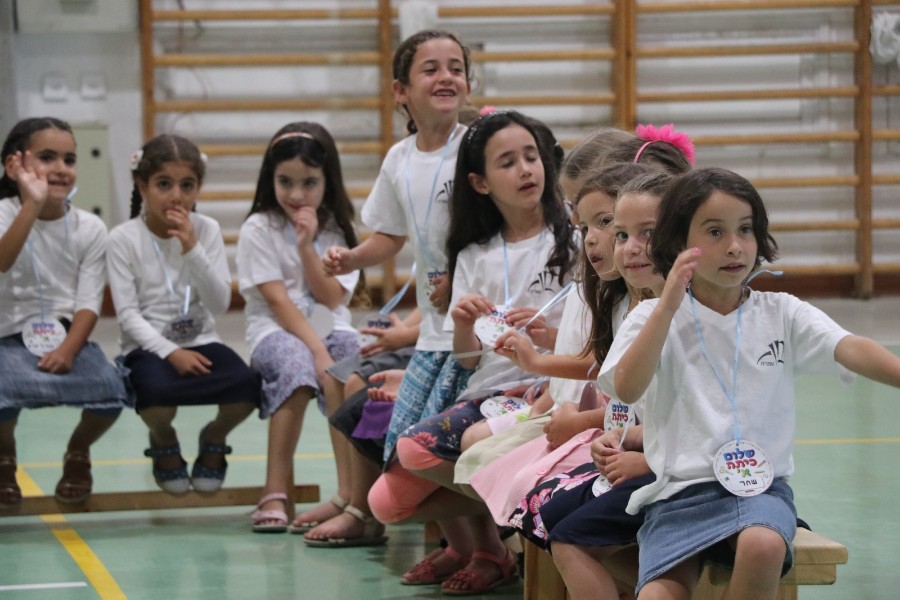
(153, 500)
(815, 563)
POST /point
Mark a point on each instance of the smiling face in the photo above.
(722, 228)
(595, 217)
(53, 156)
(174, 186)
(437, 82)
(633, 224)
(298, 185)
(513, 172)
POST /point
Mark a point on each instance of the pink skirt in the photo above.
(533, 463)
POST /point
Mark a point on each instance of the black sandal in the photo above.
(75, 485)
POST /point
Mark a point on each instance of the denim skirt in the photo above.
(698, 521)
(93, 382)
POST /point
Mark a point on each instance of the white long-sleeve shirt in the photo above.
(144, 302)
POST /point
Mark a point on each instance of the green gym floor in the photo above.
(846, 486)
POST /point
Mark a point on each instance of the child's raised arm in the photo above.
(324, 288)
(638, 364)
(376, 249)
(33, 192)
(868, 358)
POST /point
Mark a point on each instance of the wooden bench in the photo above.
(815, 563)
(152, 500)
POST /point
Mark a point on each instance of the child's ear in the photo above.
(399, 90)
(478, 184)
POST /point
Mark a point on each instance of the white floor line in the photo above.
(43, 586)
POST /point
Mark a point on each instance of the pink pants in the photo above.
(397, 493)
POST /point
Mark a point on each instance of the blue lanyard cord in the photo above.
(395, 300)
(505, 276)
(171, 286)
(559, 297)
(422, 239)
(737, 346)
(37, 278)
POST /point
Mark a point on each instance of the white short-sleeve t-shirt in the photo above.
(480, 269)
(267, 251)
(687, 416)
(399, 205)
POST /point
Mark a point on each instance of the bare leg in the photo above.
(677, 583)
(335, 394)
(90, 428)
(757, 565)
(227, 418)
(284, 433)
(585, 576)
(363, 474)
(8, 437)
(162, 435)
(486, 542)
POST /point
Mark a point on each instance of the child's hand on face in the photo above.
(181, 227)
(306, 224)
(469, 308)
(336, 261)
(679, 278)
(33, 187)
(189, 362)
(440, 297)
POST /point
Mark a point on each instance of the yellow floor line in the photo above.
(104, 583)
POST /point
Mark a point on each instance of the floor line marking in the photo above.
(92, 567)
(43, 586)
(885, 440)
(146, 461)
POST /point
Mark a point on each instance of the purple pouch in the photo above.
(374, 422)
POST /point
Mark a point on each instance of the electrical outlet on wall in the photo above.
(54, 87)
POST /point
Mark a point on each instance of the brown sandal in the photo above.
(10, 493)
(75, 485)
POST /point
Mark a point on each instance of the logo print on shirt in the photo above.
(443, 195)
(542, 283)
(774, 356)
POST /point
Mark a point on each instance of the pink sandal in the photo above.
(270, 521)
(471, 583)
(423, 573)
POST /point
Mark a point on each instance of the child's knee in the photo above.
(387, 504)
(397, 494)
(760, 546)
(414, 456)
(474, 434)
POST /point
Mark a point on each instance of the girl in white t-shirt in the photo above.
(51, 287)
(298, 322)
(715, 364)
(169, 277)
(511, 246)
